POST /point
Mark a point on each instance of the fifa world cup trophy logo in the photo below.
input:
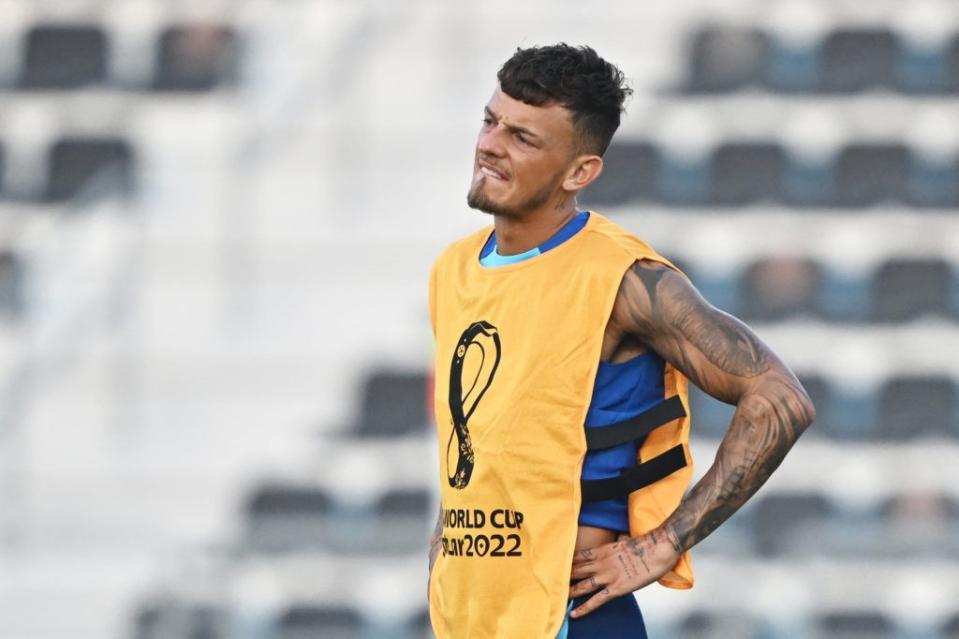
(473, 368)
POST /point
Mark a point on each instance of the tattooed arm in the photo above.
(659, 307)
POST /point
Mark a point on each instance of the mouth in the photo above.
(489, 171)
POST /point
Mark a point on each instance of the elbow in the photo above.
(803, 408)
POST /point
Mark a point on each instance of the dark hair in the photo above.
(575, 77)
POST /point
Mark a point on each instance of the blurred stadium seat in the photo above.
(77, 166)
(726, 59)
(705, 625)
(871, 174)
(393, 403)
(747, 173)
(311, 621)
(65, 57)
(855, 625)
(916, 407)
(907, 289)
(856, 60)
(783, 520)
(196, 58)
(283, 518)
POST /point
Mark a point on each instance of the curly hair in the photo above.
(591, 88)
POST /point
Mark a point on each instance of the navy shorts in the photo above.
(619, 618)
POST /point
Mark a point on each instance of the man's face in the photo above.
(522, 155)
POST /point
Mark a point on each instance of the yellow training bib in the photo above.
(517, 351)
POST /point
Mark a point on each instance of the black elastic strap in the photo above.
(635, 477)
(599, 437)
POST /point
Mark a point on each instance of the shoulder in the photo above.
(462, 248)
(611, 238)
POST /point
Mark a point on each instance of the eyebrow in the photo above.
(512, 127)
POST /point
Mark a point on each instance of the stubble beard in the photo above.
(477, 199)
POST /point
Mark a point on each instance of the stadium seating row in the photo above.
(847, 60)
(76, 164)
(903, 407)
(303, 519)
(189, 58)
(740, 173)
(155, 620)
(773, 289)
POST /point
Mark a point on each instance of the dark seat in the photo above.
(89, 166)
(629, 174)
(953, 65)
(856, 60)
(3, 171)
(404, 502)
(869, 174)
(915, 406)
(854, 625)
(745, 173)
(312, 621)
(276, 499)
(285, 517)
(157, 619)
(907, 289)
(404, 521)
(781, 519)
(701, 624)
(64, 57)
(950, 629)
(196, 58)
(11, 284)
(725, 59)
(777, 288)
(393, 403)
(419, 626)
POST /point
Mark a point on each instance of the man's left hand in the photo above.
(618, 568)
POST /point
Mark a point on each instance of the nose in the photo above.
(490, 141)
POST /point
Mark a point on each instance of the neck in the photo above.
(515, 235)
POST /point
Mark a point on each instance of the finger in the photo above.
(586, 586)
(583, 556)
(592, 603)
(581, 571)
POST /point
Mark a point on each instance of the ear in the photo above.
(584, 170)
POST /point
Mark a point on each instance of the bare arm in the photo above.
(726, 359)
(721, 355)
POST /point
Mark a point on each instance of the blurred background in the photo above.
(217, 219)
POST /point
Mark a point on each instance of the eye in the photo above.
(523, 139)
(487, 120)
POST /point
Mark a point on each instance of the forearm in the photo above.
(766, 424)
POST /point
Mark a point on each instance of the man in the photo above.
(564, 345)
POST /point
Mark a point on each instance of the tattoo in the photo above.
(764, 428)
(625, 564)
(638, 551)
(724, 357)
(702, 333)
